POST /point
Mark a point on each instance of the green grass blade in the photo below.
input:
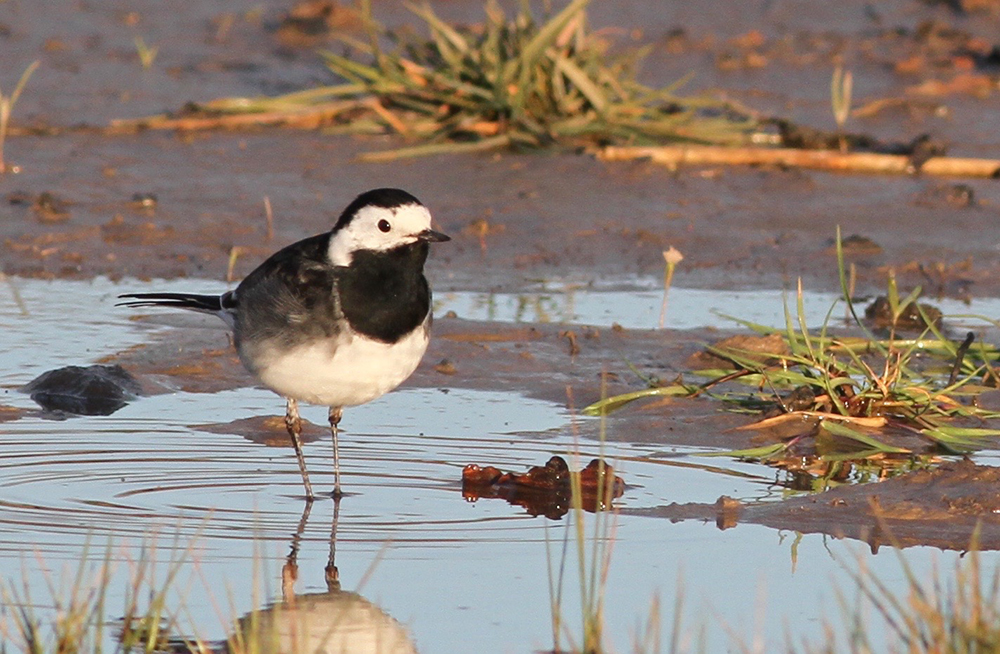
(350, 69)
(842, 430)
(800, 310)
(516, 69)
(753, 326)
(823, 339)
(955, 442)
(842, 273)
(892, 295)
(614, 402)
(910, 299)
(583, 83)
(793, 341)
(374, 31)
(454, 39)
(947, 343)
(967, 432)
(762, 452)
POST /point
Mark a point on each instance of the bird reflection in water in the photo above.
(336, 620)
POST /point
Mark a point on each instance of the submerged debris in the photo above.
(545, 490)
(855, 245)
(85, 390)
(913, 317)
(47, 207)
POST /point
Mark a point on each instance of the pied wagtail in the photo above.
(337, 319)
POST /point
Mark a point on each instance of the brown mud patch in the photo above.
(266, 430)
(953, 506)
(10, 413)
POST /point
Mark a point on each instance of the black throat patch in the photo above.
(384, 295)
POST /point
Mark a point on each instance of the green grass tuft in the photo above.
(853, 389)
(512, 81)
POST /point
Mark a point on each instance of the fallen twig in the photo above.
(865, 162)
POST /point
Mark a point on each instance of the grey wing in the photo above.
(288, 304)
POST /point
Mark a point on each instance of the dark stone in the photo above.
(85, 390)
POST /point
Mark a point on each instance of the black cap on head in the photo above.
(379, 197)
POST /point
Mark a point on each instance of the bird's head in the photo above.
(381, 220)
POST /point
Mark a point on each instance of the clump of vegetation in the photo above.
(508, 82)
(947, 613)
(520, 82)
(854, 390)
(80, 618)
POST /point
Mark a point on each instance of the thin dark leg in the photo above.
(294, 426)
(332, 575)
(336, 413)
(290, 571)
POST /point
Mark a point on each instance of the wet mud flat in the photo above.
(515, 219)
(170, 205)
(952, 506)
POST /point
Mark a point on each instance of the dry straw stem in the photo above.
(674, 156)
(840, 97)
(312, 117)
(7, 103)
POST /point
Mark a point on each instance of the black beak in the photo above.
(430, 236)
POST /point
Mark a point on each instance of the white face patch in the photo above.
(379, 229)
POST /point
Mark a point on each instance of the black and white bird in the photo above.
(338, 319)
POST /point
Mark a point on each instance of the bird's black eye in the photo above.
(384, 225)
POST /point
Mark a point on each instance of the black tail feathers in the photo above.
(204, 303)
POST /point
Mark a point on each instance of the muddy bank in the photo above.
(515, 218)
(953, 506)
(164, 205)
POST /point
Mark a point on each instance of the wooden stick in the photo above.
(864, 162)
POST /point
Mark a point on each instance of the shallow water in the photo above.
(637, 304)
(451, 571)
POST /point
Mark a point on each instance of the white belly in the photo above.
(351, 371)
